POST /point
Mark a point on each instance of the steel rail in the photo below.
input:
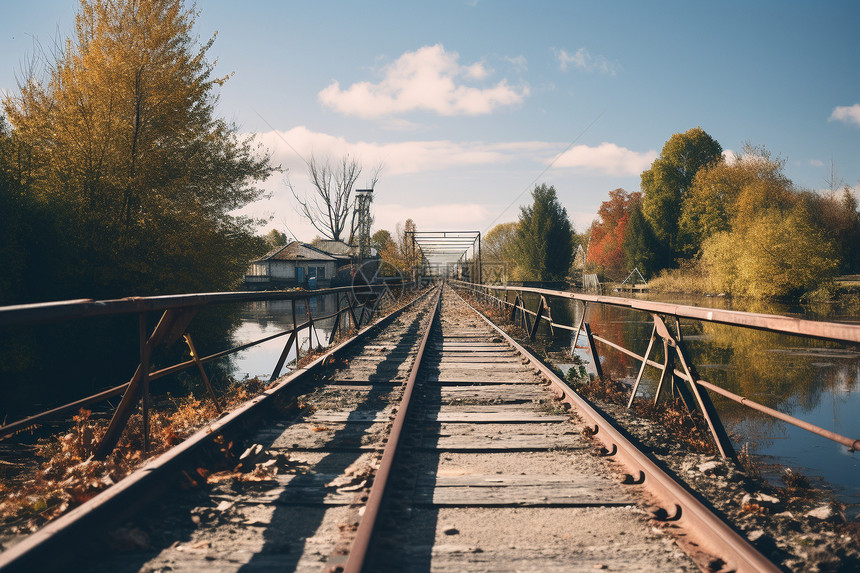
(364, 533)
(838, 332)
(710, 532)
(48, 547)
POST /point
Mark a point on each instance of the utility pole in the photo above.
(363, 198)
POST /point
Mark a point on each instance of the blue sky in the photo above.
(468, 103)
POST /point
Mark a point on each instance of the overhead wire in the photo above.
(545, 169)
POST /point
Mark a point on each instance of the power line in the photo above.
(547, 168)
(281, 136)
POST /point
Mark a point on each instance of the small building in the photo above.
(293, 265)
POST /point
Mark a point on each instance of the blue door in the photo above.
(300, 275)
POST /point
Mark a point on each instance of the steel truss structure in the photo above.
(454, 254)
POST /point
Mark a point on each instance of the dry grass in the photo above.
(68, 475)
(691, 278)
(688, 427)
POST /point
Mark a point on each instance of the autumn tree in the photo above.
(397, 252)
(666, 184)
(544, 246)
(330, 206)
(606, 247)
(767, 239)
(380, 240)
(127, 148)
(723, 191)
(776, 255)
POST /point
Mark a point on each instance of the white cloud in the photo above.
(437, 217)
(427, 79)
(816, 163)
(730, 156)
(582, 60)
(519, 63)
(399, 157)
(607, 158)
(847, 114)
(444, 184)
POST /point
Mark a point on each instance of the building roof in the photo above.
(339, 249)
(295, 251)
(335, 248)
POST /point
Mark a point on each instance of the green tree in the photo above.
(641, 248)
(666, 184)
(274, 239)
(544, 237)
(128, 155)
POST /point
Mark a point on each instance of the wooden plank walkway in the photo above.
(495, 476)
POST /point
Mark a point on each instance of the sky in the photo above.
(468, 104)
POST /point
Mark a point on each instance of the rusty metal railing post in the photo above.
(311, 328)
(284, 354)
(721, 437)
(296, 330)
(642, 368)
(538, 316)
(196, 358)
(595, 358)
(137, 386)
(352, 301)
(336, 324)
(144, 378)
(578, 328)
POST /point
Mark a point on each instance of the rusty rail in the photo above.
(364, 534)
(47, 548)
(680, 506)
(178, 312)
(836, 332)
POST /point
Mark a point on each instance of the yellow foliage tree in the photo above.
(129, 151)
(772, 255)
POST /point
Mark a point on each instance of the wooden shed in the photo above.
(295, 264)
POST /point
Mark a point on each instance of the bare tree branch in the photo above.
(330, 204)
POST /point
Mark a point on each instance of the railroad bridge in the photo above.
(424, 438)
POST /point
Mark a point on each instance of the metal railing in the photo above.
(357, 303)
(694, 390)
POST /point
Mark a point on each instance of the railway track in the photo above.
(434, 445)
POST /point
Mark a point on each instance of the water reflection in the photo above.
(816, 381)
(261, 319)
